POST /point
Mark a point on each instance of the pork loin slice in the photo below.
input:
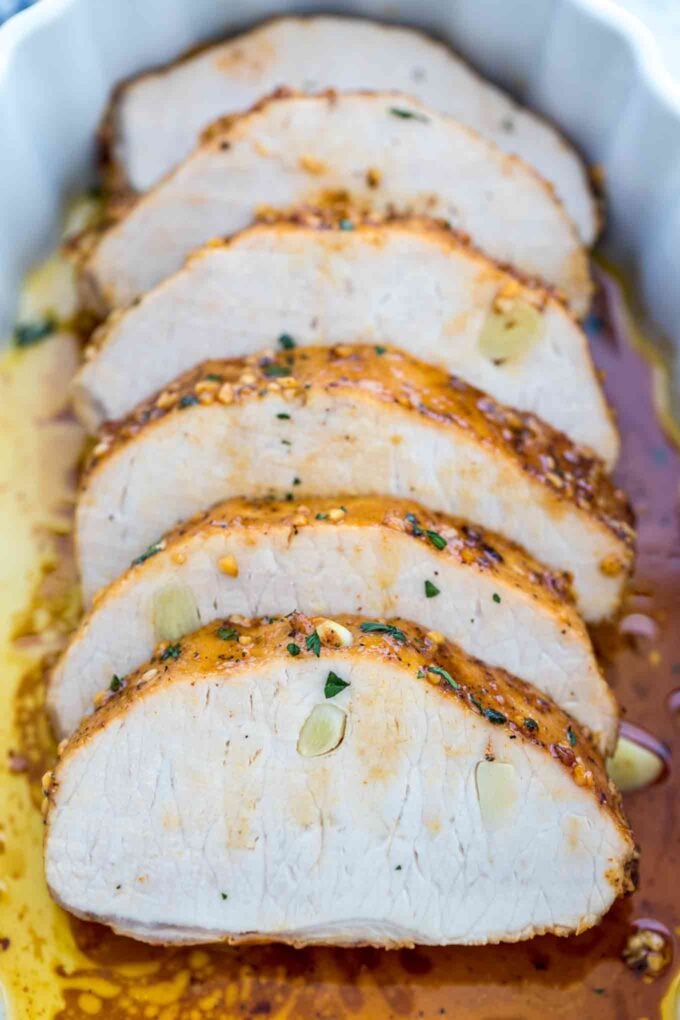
(356, 420)
(376, 558)
(172, 105)
(410, 283)
(249, 783)
(356, 152)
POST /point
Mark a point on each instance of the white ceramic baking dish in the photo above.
(586, 64)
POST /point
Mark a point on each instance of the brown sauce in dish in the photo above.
(579, 978)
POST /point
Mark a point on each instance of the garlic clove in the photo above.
(510, 330)
(632, 766)
(175, 612)
(333, 634)
(497, 792)
(322, 731)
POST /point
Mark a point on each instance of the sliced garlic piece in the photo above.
(333, 634)
(497, 792)
(174, 612)
(510, 330)
(633, 766)
(322, 731)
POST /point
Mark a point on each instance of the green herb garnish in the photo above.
(224, 895)
(227, 633)
(213, 377)
(188, 400)
(321, 517)
(283, 416)
(436, 539)
(495, 717)
(572, 736)
(373, 627)
(530, 724)
(313, 643)
(156, 547)
(286, 341)
(28, 333)
(171, 652)
(334, 684)
(271, 369)
(345, 224)
(445, 675)
(496, 597)
(399, 111)
(293, 649)
(116, 683)
(430, 590)
(379, 350)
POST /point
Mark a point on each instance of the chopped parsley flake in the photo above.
(227, 633)
(373, 627)
(271, 369)
(530, 724)
(188, 400)
(495, 717)
(321, 517)
(283, 416)
(313, 643)
(346, 224)
(496, 597)
(379, 350)
(156, 547)
(431, 590)
(572, 736)
(297, 481)
(116, 683)
(28, 333)
(286, 341)
(399, 111)
(213, 377)
(477, 703)
(436, 539)
(398, 867)
(334, 684)
(445, 675)
(171, 652)
(224, 895)
(293, 649)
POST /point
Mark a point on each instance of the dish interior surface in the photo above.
(55, 966)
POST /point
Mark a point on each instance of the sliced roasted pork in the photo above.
(156, 117)
(378, 557)
(410, 283)
(356, 420)
(355, 153)
(250, 783)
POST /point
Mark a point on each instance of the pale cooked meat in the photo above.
(359, 421)
(357, 152)
(172, 105)
(380, 557)
(390, 792)
(410, 283)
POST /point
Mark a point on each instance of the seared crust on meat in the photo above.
(274, 138)
(287, 50)
(479, 689)
(323, 286)
(572, 474)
